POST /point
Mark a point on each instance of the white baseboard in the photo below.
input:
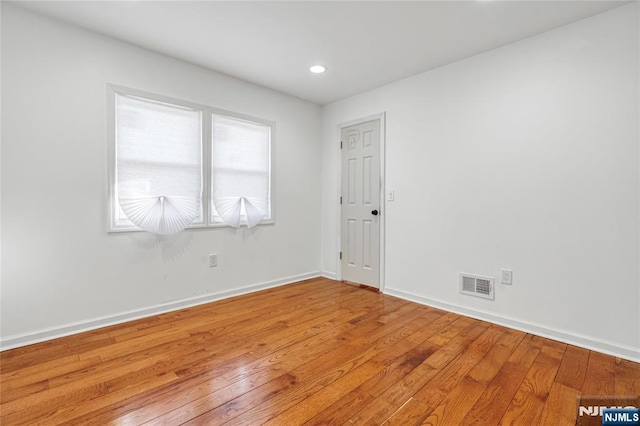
(18, 340)
(598, 345)
(329, 275)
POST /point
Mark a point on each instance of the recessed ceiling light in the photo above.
(318, 69)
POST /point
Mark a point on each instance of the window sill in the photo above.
(125, 229)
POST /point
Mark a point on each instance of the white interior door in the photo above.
(360, 208)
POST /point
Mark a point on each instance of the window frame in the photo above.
(115, 225)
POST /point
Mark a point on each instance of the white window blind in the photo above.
(158, 164)
(240, 172)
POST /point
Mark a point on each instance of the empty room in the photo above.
(320, 212)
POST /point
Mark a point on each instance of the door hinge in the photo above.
(340, 255)
(340, 144)
(340, 200)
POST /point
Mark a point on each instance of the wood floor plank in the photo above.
(343, 359)
(364, 395)
(287, 360)
(493, 402)
(573, 368)
(227, 386)
(418, 354)
(317, 402)
(461, 399)
(490, 365)
(436, 390)
(627, 378)
(398, 394)
(89, 385)
(314, 352)
(525, 353)
(43, 371)
(456, 404)
(527, 404)
(412, 412)
(561, 405)
(33, 355)
(600, 375)
(164, 398)
(64, 413)
(23, 391)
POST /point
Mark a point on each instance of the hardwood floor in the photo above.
(315, 352)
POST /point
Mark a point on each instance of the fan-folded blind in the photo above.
(240, 172)
(158, 164)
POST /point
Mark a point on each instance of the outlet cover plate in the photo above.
(506, 276)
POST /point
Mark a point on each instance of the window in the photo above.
(240, 170)
(176, 164)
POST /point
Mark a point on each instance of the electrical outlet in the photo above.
(506, 276)
(213, 260)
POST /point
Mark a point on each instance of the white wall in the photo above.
(59, 265)
(525, 157)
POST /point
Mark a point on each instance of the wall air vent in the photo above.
(476, 285)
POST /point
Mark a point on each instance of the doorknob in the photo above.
(374, 212)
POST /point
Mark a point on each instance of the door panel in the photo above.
(367, 230)
(351, 241)
(361, 196)
(367, 187)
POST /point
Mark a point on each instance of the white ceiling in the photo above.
(363, 44)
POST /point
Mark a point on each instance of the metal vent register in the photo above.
(476, 285)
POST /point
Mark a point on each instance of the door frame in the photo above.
(383, 203)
